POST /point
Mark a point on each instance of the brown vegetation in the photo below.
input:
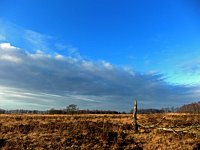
(98, 132)
(190, 108)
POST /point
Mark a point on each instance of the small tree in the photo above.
(72, 108)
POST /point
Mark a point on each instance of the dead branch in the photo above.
(169, 130)
(175, 129)
(152, 126)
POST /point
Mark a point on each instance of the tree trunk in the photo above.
(135, 116)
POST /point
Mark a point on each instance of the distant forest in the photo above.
(190, 108)
(73, 109)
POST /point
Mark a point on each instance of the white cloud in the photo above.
(44, 81)
(6, 46)
(107, 65)
(9, 53)
(10, 58)
(34, 41)
(59, 57)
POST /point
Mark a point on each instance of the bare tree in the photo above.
(72, 108)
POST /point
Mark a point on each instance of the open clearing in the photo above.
(158, 131)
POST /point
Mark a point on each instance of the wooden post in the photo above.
(135, 116)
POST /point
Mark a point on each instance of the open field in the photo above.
(170, 131)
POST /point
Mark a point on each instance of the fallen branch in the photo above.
(177, 131)
(169, 129)
(152, 126)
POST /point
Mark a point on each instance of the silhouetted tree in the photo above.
(72, 108)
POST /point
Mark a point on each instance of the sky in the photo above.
(99, 54)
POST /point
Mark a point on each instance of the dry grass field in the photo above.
(57, 132)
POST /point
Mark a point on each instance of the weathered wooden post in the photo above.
(135, 116)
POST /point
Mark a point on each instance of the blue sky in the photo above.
(148, 41)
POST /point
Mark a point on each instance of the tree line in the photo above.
(73, 109)
(70, 109)
(190, 108)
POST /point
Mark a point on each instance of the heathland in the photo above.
(102, 131)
